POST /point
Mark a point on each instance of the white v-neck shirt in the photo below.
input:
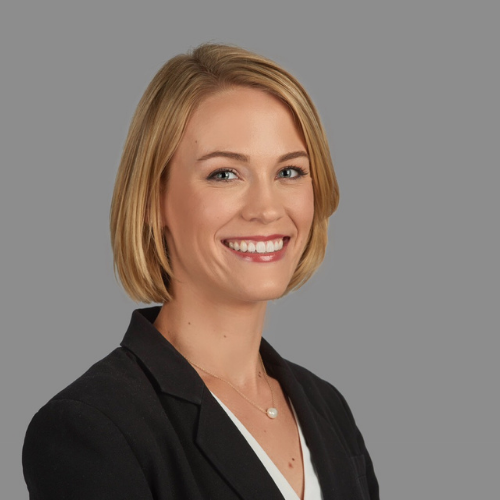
(312, 490)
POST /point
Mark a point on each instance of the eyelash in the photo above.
(300, 171)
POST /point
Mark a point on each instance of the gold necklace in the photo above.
(271, 412)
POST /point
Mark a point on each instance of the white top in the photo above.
(312, 490)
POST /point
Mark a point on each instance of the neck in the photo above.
(221, 337)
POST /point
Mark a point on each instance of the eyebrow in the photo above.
(292, 156)
(246, 159)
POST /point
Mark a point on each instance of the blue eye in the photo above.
(222, 175)
(292, 172)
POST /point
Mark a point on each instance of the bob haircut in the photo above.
(141, 259)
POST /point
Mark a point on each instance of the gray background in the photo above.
(402, 317)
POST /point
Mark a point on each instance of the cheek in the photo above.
(179, 208)
(214, 207)
(202, 210)
(304, 209)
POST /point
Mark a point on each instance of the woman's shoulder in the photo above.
(115, 379)
(114, 389)
(92, 428)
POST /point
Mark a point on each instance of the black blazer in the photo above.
(141, 424)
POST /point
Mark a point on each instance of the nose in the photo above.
(262, 203)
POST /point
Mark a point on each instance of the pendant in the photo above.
(272, 412)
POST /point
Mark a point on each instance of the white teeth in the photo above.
(256, 247)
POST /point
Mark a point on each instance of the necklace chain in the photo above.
(273, 410)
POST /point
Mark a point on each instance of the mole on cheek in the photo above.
(290, 465)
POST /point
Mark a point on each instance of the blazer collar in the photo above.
(172, 372)
(221, 441)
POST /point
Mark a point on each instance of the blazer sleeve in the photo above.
(72, 450)
(371, 479)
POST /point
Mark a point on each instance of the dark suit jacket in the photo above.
(141, 424)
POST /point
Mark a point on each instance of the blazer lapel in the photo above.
(217, 436)
(333, 466)
(227, 449)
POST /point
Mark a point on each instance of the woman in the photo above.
(221, 203)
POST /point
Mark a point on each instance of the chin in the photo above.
(261, 292)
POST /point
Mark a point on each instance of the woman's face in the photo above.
(239, 188)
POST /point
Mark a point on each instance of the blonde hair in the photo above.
(139, 247)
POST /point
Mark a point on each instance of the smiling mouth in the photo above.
(257, 247)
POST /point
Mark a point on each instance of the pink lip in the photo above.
(257, 238)
(261, 257)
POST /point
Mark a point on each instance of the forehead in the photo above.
(249, 121)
